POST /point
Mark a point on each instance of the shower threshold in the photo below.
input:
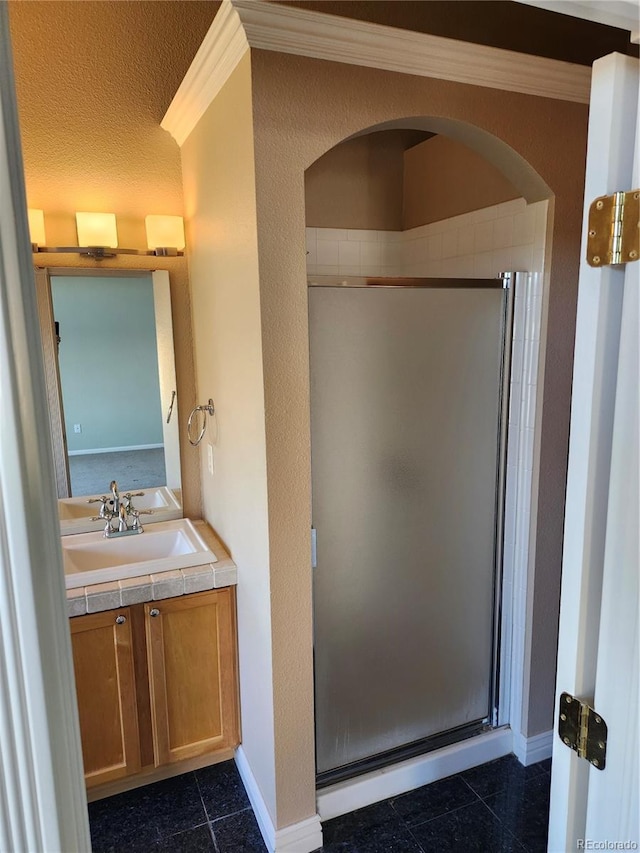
(401, 753)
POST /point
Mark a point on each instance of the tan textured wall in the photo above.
(219, 187)
(358, 184)
(93, 81)
(302, 108)
(444, 178)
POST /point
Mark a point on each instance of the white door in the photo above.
(598, 658)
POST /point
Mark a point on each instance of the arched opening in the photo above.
(441, 176)
(449, 207)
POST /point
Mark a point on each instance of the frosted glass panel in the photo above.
(405, 391)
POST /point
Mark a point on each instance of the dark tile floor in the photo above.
(500, 807)
(203, 812)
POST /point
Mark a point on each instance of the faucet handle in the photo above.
(104, 514)
(103, 501)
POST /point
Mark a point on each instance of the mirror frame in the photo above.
(166, 367)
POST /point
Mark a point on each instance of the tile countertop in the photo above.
(109, 596)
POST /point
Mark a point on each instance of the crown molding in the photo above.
(219, 54)
(241, 24)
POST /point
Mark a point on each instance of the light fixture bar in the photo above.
(165, 236)
(99, 253)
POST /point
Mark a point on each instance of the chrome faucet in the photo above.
(123, 528)
(120, 508)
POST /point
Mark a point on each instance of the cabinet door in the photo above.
(191, 649)
(103, 662)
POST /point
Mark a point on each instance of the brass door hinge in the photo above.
(584, 731)
(614, 235)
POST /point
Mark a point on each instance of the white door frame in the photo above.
(41, 788)
(612, 129)
(42, 795)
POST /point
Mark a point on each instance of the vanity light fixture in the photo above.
(36, 228)
(164, 231)
(98, 236)
(97, 229)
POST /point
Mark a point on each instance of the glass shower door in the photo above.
(405, 412)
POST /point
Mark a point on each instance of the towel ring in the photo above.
(210, 408)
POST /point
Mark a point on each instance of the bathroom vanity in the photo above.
(150, 594)
(156, 672)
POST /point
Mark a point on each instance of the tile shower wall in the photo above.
(480, 244)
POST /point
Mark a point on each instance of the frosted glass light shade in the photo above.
(36, 226)
(97, 229)
(164, 232)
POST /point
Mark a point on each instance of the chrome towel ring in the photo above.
(210, 408)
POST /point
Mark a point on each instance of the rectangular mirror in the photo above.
(111, 382)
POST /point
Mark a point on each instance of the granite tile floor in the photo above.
(206, 811)
(500, 807)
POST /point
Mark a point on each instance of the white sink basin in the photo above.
(76, 513)
(91, 558)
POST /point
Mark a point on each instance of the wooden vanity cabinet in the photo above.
(190, 643)
(156, 684)
(105, 685)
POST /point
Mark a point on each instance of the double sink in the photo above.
(168, 543)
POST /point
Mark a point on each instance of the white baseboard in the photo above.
(530, 750)
(345, 797)
(302, 837)
(115, 449)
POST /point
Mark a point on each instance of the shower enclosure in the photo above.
(409, 388)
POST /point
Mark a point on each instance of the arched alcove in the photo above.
(496, 151)
(488, 214)
(424, 196)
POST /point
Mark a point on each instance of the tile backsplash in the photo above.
(480, 244)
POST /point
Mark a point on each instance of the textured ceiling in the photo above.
(95, 77)
(94, 80)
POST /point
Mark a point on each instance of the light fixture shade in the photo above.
(36, 226)
(97, 229)
(165, 232)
